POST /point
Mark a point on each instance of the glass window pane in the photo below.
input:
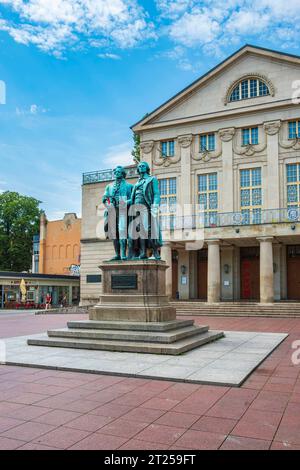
(256, 197)
(245, 136)
(291, 173)
(245, 197)
(245, 217)
(253, 87)
(172, 186)
(292, 193)
(263, 89)
(254, 135)
(203, 201)
(202, 183)
(245, 178)
(213, 181)
(213, 200)
(203, 144)
(245, 89)
(235, 95)
(292, 130)
(164, 149)
(256, 177)
(211, 142)
(171, 148)
(256, 216)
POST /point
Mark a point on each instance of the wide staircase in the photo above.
(241, 309)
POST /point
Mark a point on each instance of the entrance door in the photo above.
(293, 272)
(174, 274)
(250, 273)
(202, 274)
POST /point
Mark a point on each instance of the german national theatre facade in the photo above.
(230, 142)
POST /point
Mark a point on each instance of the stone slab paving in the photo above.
(227, 361)
(51, 409)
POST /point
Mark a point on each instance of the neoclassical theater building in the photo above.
(231, 142)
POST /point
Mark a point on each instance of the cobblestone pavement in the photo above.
(47, 409)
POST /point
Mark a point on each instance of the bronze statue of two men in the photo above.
(132, 215)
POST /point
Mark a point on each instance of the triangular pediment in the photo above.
(208, 94)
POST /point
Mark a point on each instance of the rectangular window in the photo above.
(208, 197)
(207, 142)
(294, 129)
(251, 195)
(293, 184)
(168, 148)
(250, 136)
(168, 199)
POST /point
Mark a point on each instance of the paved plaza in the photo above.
(52, 409)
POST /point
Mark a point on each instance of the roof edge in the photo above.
(220, 64)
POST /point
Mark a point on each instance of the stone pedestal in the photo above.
(133, 291)
(133, 315)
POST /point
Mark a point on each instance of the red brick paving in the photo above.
(48, 409)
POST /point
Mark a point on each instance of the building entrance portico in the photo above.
(262, 269)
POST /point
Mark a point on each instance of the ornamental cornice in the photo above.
(226, 135)
(185, 141)
(147, 147)
(272, 127)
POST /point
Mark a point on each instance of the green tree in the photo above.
(136, 153)
(19, 221)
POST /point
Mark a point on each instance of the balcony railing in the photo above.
(228, 219)
(106, 175)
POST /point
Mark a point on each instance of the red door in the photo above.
(250, 273)
(202, 274)
(293, 272)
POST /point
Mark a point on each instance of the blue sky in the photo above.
(78, 73)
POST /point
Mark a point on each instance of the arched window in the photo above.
(249, 87)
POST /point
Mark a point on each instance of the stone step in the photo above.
(128, 335)
(176, 348)
(128, 325)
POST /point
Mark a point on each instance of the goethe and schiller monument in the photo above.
(133, 313)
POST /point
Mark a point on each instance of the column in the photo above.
(183, 274)
(166, 255)
(277, 270)
(227, 272)
(266, 270)
(185, 142)
(272, 130)
(213, 273)
(70, 295)
(226, 135)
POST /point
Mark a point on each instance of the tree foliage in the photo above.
(19, 221)
(136, 153)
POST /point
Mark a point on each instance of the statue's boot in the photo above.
(117, 257)
(143, 251)
(155, 254)
(123, 244)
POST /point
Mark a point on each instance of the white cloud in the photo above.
(108, 55)
(119, 155)
(57, 24)
(212, 25)
(33, 109)
(194, 28)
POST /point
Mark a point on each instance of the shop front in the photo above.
(64, 290)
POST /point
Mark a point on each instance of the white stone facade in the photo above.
(204, 108)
